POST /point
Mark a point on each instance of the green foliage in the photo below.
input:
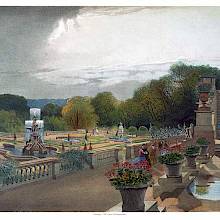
(131, 113)
(142, 131)
(14, 103)
(7, 168)
(192, 150)
(204, 88)
(171, 158)
(51, 110)
(54, 123)
(132, 130)
(74, 158)
(202, 141)
(9, 122)
(105, 105)
(79, 113)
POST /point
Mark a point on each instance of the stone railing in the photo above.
(104, 157)
(30, 171)
(39, 169)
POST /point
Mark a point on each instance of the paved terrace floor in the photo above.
(87, 190)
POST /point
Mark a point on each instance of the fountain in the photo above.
(34, 134)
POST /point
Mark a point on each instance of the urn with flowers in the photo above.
(132, 180)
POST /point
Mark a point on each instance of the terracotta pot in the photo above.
(191, 161)
(133, 198)
(174, 170)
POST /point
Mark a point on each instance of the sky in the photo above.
(61, 52)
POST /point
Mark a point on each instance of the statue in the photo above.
(189, 131)
(120, 130)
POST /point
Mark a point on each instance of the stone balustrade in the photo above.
(103, 157)
(30, 171)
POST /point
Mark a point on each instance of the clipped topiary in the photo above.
(132, 130)
(142, 131)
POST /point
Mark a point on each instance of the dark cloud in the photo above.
(24, 32)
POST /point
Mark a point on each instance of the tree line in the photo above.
(168, 101)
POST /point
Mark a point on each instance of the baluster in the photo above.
(44, 170)
(25, 174)
(12, 179)
(34, 172)
(47, 170)
(29, 173)
(39, 171)
(16, 177)
(21, 175)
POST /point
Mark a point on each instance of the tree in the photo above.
(14, 103)
(105, 105)
(51, 110)
(9, 122)
(54, 123)
(79, 113)
(131, 113)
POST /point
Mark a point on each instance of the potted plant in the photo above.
(203, 144)
(191, 153)
(173, 162)
(132, 180)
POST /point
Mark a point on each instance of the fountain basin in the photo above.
(17, 153)
(206, 189)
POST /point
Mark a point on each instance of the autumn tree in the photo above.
(79, 113)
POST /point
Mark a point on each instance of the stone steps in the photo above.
(150, 206)
(217, 150)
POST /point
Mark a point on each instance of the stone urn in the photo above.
(204, 96)
(191, 161)
(133, 198)
(204, 150)
(174, 170)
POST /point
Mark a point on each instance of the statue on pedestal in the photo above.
(120, 130)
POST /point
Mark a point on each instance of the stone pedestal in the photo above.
(55, 169)
(171, 186)
(116, 155)
(132, 153)
(128, 152)
(204, 128)
(122, 154)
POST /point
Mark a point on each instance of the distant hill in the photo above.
(40, 103)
